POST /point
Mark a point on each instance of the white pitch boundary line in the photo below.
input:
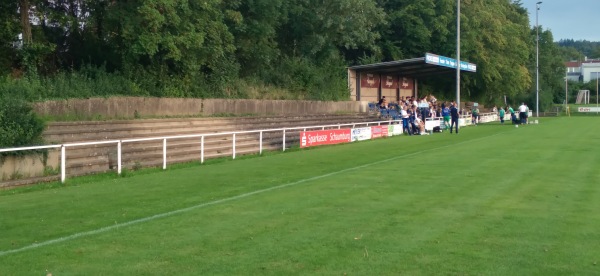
(184, 210)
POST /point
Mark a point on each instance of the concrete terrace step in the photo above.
(66, 127)
(81, 132)
(83, 160)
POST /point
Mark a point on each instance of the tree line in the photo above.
(295, 49)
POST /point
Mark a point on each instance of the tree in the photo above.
(9, 29)
(174, 41)
(496, 38)
(317, 28)
(254, 25)
(552, 71)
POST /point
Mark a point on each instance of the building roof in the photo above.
(415, 67)
(573, 64)
(592, 61)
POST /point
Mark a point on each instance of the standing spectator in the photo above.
(413, 101)
(475, 115)
(454, 116)
(414, 113)
(513, 117)
(446, 115)
(424, 108)
(405, 120)
(501, 115)
(495, 110)
(523, 113)
(432, 111)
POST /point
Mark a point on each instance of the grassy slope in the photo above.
(500, 200)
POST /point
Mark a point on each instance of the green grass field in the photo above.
(493, 200)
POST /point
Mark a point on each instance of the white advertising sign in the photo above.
(588, 109)
(361, 134)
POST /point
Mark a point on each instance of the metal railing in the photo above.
(165, 139)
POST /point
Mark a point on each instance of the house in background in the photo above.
(585, 71)
(573, 70)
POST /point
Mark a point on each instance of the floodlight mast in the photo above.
(537, 61)
(458, 55)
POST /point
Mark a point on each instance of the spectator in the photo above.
(475, 115)
(380, 103)
(420, 124)
(513, 117)
(454, 116)
(523, 110)
(414, 114)
(405, 120)
(424, 108)
(384, 104)
(446, 116)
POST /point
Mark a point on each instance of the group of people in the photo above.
(523, 114)
(414, 112)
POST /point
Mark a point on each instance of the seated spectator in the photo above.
(420, 124)
(381, 101)
(384, 104)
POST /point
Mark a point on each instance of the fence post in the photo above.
(234, 146)
(283, 139)
(63, 163)
(202, 149)
(119, 165)
(164, 154)
(260, 142)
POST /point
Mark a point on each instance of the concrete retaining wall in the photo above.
(26, 166)
(136, 107)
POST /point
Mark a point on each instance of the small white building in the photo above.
(590, 70)
(585, 71)
(573, 70)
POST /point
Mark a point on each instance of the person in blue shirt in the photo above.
(446, 115)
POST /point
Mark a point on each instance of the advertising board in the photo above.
(324, 137)
(361, 134)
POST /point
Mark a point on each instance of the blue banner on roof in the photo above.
(449, 62)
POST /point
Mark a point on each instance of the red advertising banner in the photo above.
(379, 131)
(406, 83)
(389, 82)
(324, 137)
(369, 80)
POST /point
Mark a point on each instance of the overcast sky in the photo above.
(567, 19)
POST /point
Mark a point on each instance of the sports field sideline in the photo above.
(493, 200)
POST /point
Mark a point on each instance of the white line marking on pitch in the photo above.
(184, 210)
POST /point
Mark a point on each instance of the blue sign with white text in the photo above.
(449, 62)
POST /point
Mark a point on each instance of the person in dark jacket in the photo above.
(454, 117)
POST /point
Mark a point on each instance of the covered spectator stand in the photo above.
(396, 79)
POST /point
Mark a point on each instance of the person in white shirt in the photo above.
(421, 125)
(523, 110)
(405, 124)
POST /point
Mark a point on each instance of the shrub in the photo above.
(19, 125)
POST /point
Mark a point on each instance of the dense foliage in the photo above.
(19, 126)
(579, 49)
(242, 48)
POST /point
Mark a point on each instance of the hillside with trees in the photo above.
(293, 49)
(579, 49)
